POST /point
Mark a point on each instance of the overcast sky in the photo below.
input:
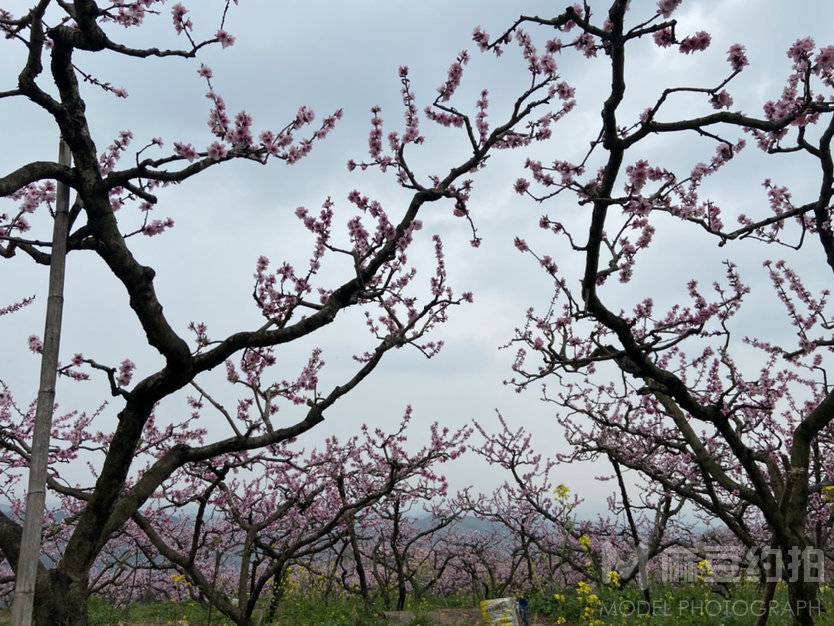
(329, 55)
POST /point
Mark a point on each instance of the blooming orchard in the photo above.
(172, 509)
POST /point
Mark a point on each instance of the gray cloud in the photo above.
(332, 54)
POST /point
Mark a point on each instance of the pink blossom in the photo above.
(586, 45)
(553, 46)
(125, 375)
(480, 38)
(825, 58)
(157, 227)
(217, 151)
(737, 56)
(447, 89)
(722, 100)
(695, 43)
(565, 91)
(224, 38)
(444, 119)
(35, 344)
(375, 136)
(185, 150)
(801, 49)
(521, 186)
(481, 122)
(178, 13)
(664, 38)
(305, 115)
(667, 7)
(17, 306)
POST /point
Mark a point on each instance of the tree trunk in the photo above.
(398, 557)
(217, 558)
(767, 598)
(802, 588)
(61, 602)
(358, 563)
(768, 584)
(274, 600)
(401, 592)
(635, 535)
(802, 596)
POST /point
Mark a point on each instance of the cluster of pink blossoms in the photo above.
(695, 43)
(447, 89)
(181, 23)
(667, 7)
(110, 157)
(16, 306)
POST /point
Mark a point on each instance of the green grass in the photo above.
(672, 606)
(295, 610)
(103, 613)
(679, 606)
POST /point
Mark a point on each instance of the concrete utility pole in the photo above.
(30, 543)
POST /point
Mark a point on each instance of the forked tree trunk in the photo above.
(67, 604)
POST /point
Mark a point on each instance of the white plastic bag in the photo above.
(501, 612)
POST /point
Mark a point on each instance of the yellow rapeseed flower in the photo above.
(614, 579)
(585, 542)
(704, 569)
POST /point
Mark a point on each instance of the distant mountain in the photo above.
(467, 523)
